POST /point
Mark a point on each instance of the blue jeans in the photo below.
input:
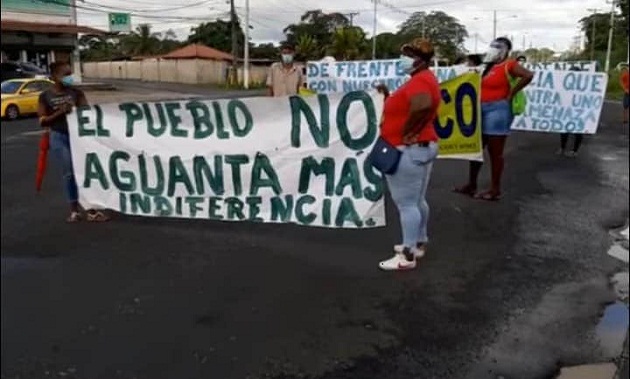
(60, 147)
(408, 188)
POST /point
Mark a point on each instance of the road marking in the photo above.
(23, 134)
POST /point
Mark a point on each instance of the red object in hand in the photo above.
(42, 160)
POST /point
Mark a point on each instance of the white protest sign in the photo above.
(346, 76)
(283, 160)
(590, 66)
(563, 102)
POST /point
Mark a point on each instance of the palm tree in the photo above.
(307, 48)
(348, 43)
(141, 41)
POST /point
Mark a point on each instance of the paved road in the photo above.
(510, 288)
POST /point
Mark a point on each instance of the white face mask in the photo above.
(287, 58)
(494, 54)
(406, 63)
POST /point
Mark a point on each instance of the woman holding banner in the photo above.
(407, 130)
(497, 93)
(53, 107)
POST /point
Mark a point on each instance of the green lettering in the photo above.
(158, 189)
(202, 170)
(175, 120)
(133, 113)
(347, 212)
(368, 137)
(100, 128)
(311, 166)
(140, 203)
(157, 131)
(281, 210)
(129, 183)
(375, 178)
(193, 205)
(177, 174)
(214, 207)
(263, 165)
(122, 202)
(218, 115)
(163, 206)
(236, 161)
(304, 218)
(321, 134)
(83, 121)
(253, 202)
(327, 205)
(233, 105)
(201, 119)
(350, 176)
(235, 208)
(94, 171)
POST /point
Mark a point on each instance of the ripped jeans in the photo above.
(60, 147)
(408, 188)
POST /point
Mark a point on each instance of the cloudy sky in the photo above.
(539, 23)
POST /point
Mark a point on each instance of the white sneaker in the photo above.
(397, 263)
(418, 252)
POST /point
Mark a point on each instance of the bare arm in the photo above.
(526, 78)
(81, 99)
(46, 119)
(420, 107)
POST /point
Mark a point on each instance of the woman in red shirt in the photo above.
(407, 124)
(496, 113)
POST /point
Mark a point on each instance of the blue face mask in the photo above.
(67, 80)
(406, 63)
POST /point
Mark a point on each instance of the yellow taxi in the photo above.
(20, 96)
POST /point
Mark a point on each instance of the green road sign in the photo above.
(119, 22)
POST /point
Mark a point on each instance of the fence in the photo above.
(188, 71)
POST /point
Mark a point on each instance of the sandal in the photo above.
(489, 196)
(96, 216)
(467, 190)
(74, 217)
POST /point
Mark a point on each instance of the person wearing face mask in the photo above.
(54, 106)
(407, 125)
(284, 77)
(496, 114)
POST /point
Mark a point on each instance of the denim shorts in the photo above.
(496, 118)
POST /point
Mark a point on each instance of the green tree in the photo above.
(307, 48)
(317, 25)
(264, 51)
(348, 43)
(218, 35)
(596, 28)
(445, 31)
(141, 42)
(387, 45)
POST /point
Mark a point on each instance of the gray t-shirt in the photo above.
(53, 100)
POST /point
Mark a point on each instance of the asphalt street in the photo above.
(510, 289)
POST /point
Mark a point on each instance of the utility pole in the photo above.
(593, 25)
(234, 72)
(246, 52)
(374, 31)
(494, 25)
(351, 17)
(611, 31)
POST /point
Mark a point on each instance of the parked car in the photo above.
(20, 96)
(18, 70)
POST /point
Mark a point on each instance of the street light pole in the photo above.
(611, 31)
(234, 34)
(246, 52)
(374, 31)
(494, 25)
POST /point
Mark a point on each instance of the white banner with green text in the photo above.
(292, 160)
